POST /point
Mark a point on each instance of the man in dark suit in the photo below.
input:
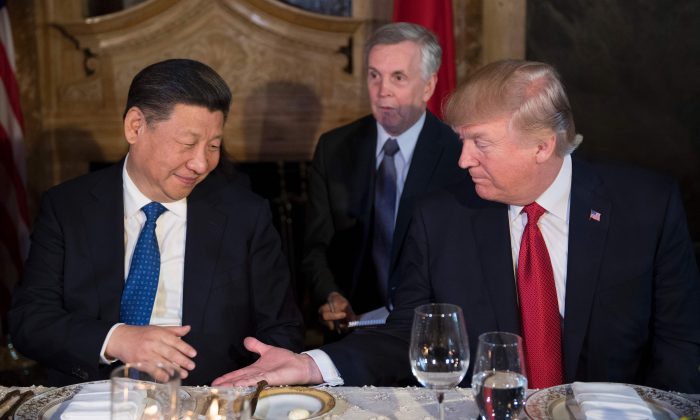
(623, 281)
(346, 262)
(218, 274)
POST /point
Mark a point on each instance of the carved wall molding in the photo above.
(293, 74)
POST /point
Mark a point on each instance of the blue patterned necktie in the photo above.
(384, 207)
(142, 282)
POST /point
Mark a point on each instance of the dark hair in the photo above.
(157, 88)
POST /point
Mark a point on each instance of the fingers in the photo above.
(254, 345)
(241, 377)
(131, 343)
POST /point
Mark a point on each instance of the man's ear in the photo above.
(134, 124)
(546, 148)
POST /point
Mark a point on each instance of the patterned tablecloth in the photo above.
(363, 403)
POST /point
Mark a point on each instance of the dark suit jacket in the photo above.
(632, 310)
(341, 198)
(236, 279)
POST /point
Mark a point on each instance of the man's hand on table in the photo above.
(152, 343)
(276, 365)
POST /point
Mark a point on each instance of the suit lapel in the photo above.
(492, 236)
(362, 160)
(426, 156)
(205, 232)
(104, 230)
(586, 245)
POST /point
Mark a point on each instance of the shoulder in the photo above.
(362, 127)
(621, 180)
(83, 185)
(220, 188)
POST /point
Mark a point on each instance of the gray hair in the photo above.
(394, 33)
(529, 92)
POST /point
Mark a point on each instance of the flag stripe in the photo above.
(14, 212)
(13, 175)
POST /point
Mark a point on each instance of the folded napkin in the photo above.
(93, 402)
(610, 401)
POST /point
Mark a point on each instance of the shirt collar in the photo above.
(134, 199)
(406, 140)
(555, 199)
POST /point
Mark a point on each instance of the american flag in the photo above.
(595, 216)
(14, 214)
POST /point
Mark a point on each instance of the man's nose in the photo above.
(198, 160)
(467, 158)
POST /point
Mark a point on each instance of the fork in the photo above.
(23, 396)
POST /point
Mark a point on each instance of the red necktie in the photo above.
(539, 310)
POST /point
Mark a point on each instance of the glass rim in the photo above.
(429, 309)
(515, 339)
(147, 367)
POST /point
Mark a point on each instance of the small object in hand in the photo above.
(298, 414)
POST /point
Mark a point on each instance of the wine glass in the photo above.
(439, 351)
(146, 391)
(499, 380)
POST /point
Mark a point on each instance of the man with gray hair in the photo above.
(366, 175)
(591, 264)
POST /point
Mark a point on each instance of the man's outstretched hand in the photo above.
(276, 365)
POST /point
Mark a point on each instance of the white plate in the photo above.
(276, 403)
(49, 405)
(550, 403)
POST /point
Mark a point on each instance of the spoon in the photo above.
(254, 400)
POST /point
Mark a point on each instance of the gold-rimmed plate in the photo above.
(277, 403)
(50, 404)
(558, 403)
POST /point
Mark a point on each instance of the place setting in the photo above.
(153, 391)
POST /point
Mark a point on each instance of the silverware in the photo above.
(11, 411)
(10, 395)
(254, 399)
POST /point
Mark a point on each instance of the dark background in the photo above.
(632, 71)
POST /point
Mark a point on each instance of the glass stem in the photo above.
(441, 408)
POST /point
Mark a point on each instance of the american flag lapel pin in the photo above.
(594, 215)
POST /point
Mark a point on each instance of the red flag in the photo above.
(435, 15)
(14, 214)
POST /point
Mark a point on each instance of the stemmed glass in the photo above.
(499, 380)
(439, 351)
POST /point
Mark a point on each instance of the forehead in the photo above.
(497, 127)
(394, 56)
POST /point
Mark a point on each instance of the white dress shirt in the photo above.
(171, 229)
(554, 225)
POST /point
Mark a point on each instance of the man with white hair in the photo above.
(592, 264)
(366, 175)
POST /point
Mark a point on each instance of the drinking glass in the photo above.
(499, 380)
(439, 351)
(148, 391)
(227, 403)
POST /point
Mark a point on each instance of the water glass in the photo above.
(499, 380)
(439, 350)
(147, 391)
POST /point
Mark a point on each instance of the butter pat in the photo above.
(298, 414)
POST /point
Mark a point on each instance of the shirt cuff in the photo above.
(103, 357)
(330, 373)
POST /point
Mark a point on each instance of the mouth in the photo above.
(189, 181)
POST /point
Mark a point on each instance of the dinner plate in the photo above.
(276, 403)
(551, 403)
(49, 405)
